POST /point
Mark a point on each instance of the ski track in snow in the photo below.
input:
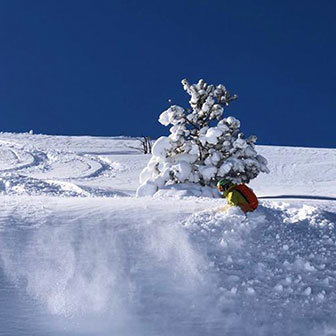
(13, 157)
(84, 257)
(26, 169)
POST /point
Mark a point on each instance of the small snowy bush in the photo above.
(203, 146)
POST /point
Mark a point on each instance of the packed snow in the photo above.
(81, 255)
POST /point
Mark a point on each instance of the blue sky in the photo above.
(109, 67)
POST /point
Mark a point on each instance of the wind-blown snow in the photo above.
(80, 255)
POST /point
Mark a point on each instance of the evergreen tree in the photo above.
(203, 146)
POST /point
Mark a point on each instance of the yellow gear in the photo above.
(235, 198)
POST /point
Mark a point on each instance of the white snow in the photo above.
(81, 255)
(212, 135)
(160, 147)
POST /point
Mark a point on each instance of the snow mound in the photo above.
(275, 268)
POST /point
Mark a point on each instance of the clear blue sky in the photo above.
(109, 67)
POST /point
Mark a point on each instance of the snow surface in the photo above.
(80, 255)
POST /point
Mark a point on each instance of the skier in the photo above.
(237, 195)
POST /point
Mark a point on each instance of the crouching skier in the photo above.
(237, 195)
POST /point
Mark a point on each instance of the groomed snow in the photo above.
(80, 255)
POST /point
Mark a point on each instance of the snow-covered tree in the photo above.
(203, 145)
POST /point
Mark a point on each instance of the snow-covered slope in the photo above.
(308, 172)
(80, 255)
